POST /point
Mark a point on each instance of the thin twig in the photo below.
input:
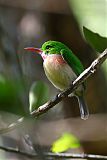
(53, 155)
(80, 79)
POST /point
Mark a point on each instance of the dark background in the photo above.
(31, 23)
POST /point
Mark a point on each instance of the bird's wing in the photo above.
(72, 61)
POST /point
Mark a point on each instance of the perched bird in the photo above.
(62, 67)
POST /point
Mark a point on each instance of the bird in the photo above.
(62, 67)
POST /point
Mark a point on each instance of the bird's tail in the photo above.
(83, 108)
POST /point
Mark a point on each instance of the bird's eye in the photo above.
(47, 47)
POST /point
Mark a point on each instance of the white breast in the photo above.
(58, 72)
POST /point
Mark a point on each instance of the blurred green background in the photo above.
(30, 23)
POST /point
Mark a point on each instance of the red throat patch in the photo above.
(54, 58)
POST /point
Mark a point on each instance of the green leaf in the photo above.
(65, 142)
(10, 92)
(38, 95)
(97, 42)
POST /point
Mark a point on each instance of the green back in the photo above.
(72, 61)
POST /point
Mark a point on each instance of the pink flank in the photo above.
(60, 60)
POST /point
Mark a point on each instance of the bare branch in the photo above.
(82, 77)
(44, 108)
(53, 155)
(17, 151)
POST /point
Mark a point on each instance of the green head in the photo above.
(49, 47)
(53, 47)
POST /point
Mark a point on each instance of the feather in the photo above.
(83, 107)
